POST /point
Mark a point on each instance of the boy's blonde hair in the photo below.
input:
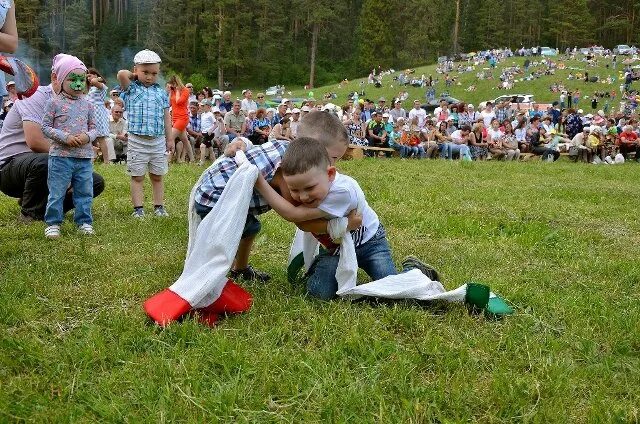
(303, 154)
(323, 127)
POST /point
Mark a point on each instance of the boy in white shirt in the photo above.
(323, 193)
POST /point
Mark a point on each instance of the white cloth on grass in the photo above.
(213, 241)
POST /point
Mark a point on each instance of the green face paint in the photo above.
(77, 82)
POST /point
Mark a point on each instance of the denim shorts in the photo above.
(251, 227)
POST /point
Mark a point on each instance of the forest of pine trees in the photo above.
(297, 41)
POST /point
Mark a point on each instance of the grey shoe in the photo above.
(411, 262)
(138, 213)
(160, 211)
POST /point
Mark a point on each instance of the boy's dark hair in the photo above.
(324, 127)
(303, 154)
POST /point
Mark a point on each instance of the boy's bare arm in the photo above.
(283, 208)
(321, 226)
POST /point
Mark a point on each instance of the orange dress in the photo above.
(179, 109)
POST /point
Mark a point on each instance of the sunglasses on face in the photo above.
(261, 97)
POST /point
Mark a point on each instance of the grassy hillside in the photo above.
(556, 240)
(485, 89)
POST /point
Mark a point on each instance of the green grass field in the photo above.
(560, 241)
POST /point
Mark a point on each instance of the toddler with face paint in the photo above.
(69, 122)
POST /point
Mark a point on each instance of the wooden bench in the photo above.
(357, 152)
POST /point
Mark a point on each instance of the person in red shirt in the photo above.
(179, 99)
(629, 141)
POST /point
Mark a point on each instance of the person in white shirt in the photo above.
(248, 103)
(418, 112)
(442, 112)
(295, 120)
(487, 114)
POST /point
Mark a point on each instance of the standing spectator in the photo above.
(97, 95)
(503, 111)
(179, 98)
(11, 90)
(192, 96)
(573, 123)
(367, 112)
(248, 104)
(208, 126)
(576, 98)
(381, 105)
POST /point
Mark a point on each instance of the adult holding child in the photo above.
(24, 149)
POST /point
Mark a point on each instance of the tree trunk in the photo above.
(314, 48)
(220, 44)
(456, 28)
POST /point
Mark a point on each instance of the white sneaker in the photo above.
(86, 229)
(52, 232)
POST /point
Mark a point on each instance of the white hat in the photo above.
(601, 113)
(295, 110)
(217, 97)
(588, 115)
(284, 101)
(146, 57)
(244, 91)
(306, 109)
(386, 115)
(580, 111)
(11, 83)
(470, 106)
(215, 109)
(288, 111)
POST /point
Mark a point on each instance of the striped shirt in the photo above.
(267, 157)
(145, 108)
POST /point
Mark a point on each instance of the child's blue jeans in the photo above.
(374, 257)
(62, 172)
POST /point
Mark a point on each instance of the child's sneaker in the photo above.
(138, 213)
(52, 232)
(250, 274)
(86, 229)
(160, 211)
(411, 262)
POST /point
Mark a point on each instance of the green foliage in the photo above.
(556, 240)
(258, 42)
(198, 80)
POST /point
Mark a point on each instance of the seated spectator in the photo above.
(494, 140)
(356, 129)
(281, 130)
(478, 143)
(194, 128)
(261, 126)
(579, 150)
(251, 116)
(234, 121)
(208, 127)
(594, 144)
(442, 140)
(117, 138)
(509, 141)
(411, 140)
(459, 144)
(376, 133)
(629, 142)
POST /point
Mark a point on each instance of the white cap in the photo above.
(588, 115)
(146, 57)
(470, 106)
(306, 109)
(288, 111)
(385, 115)
(580, 111)
(217, 97)
(601, 113)
(284, 101)
(295, 110)
(215, 109)
(11, 83)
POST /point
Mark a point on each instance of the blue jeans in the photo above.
(462, 149)
(374, 257)
(63, 171)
